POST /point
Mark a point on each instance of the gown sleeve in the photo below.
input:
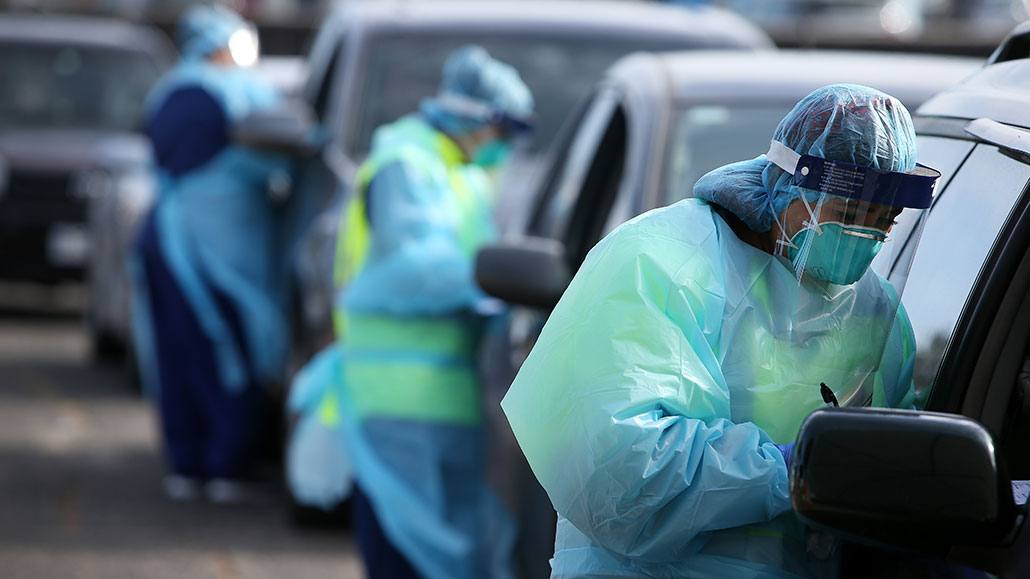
(416, 264)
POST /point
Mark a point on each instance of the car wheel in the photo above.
(105, 347)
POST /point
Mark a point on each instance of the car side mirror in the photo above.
(529, 271)
(290, 128)
(913, 480)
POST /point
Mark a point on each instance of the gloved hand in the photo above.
(1020, 491)
(787, 450)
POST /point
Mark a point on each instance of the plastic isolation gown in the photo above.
(219, 231)
(650, 405)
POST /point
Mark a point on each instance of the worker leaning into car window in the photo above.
(208, 314)
(408, 328)
(659, 406)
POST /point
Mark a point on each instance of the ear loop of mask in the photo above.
(784, 243)
(813, 224)
(787, 159)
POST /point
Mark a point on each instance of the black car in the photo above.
(69, 112)
(926, 493)
(937, 481)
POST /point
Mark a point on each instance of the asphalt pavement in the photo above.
(80, 476)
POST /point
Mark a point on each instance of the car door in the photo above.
(985, 368)
(953, 290)
(968, 297)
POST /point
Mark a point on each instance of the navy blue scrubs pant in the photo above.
(208, 432)
(382, 559)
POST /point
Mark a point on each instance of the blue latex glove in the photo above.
(1020, 491)
(787, 450)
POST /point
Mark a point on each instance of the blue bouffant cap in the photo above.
(841, 122)
(477, 90)
(205, 28)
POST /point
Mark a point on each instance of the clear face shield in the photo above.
(832, 315)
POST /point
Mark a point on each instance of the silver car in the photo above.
(69, 111)
(116, 208)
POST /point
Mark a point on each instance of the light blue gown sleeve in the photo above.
(622, 408)
(416, 265)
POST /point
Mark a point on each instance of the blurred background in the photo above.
(80, 462)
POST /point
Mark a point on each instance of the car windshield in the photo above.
(559, 71)
(72, 86)
(705, 137)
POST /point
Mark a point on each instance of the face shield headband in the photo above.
(481, 111)
(840, 252)
(913, 189)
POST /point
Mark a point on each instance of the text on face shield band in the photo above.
(913, 189)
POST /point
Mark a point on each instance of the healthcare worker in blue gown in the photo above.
(208, 312)
(660, 404)
(408, 327)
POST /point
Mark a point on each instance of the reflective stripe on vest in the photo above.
(412, 368)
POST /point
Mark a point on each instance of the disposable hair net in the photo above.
(205, 28)
(841, 122)
(477, 90)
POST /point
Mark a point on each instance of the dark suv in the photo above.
(69, 109)
(928, 492)
(652, 126)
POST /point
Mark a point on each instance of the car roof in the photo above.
(101, 33)
(527, 17)
(1000, 92)
(785, 75)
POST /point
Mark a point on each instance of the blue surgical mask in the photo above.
(835, 252)
(493, 153)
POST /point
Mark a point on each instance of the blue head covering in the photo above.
(477, 90)
(841, 122)
(205, 28)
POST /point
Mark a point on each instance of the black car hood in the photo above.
(71, 150)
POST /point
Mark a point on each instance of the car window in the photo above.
(943, 154)
(323, 91)
(559, 71)
(959, 233)
(560, 195)
(705, 137)
(72, 86)
(598, 192)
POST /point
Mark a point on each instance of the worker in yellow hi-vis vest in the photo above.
(407, 328)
